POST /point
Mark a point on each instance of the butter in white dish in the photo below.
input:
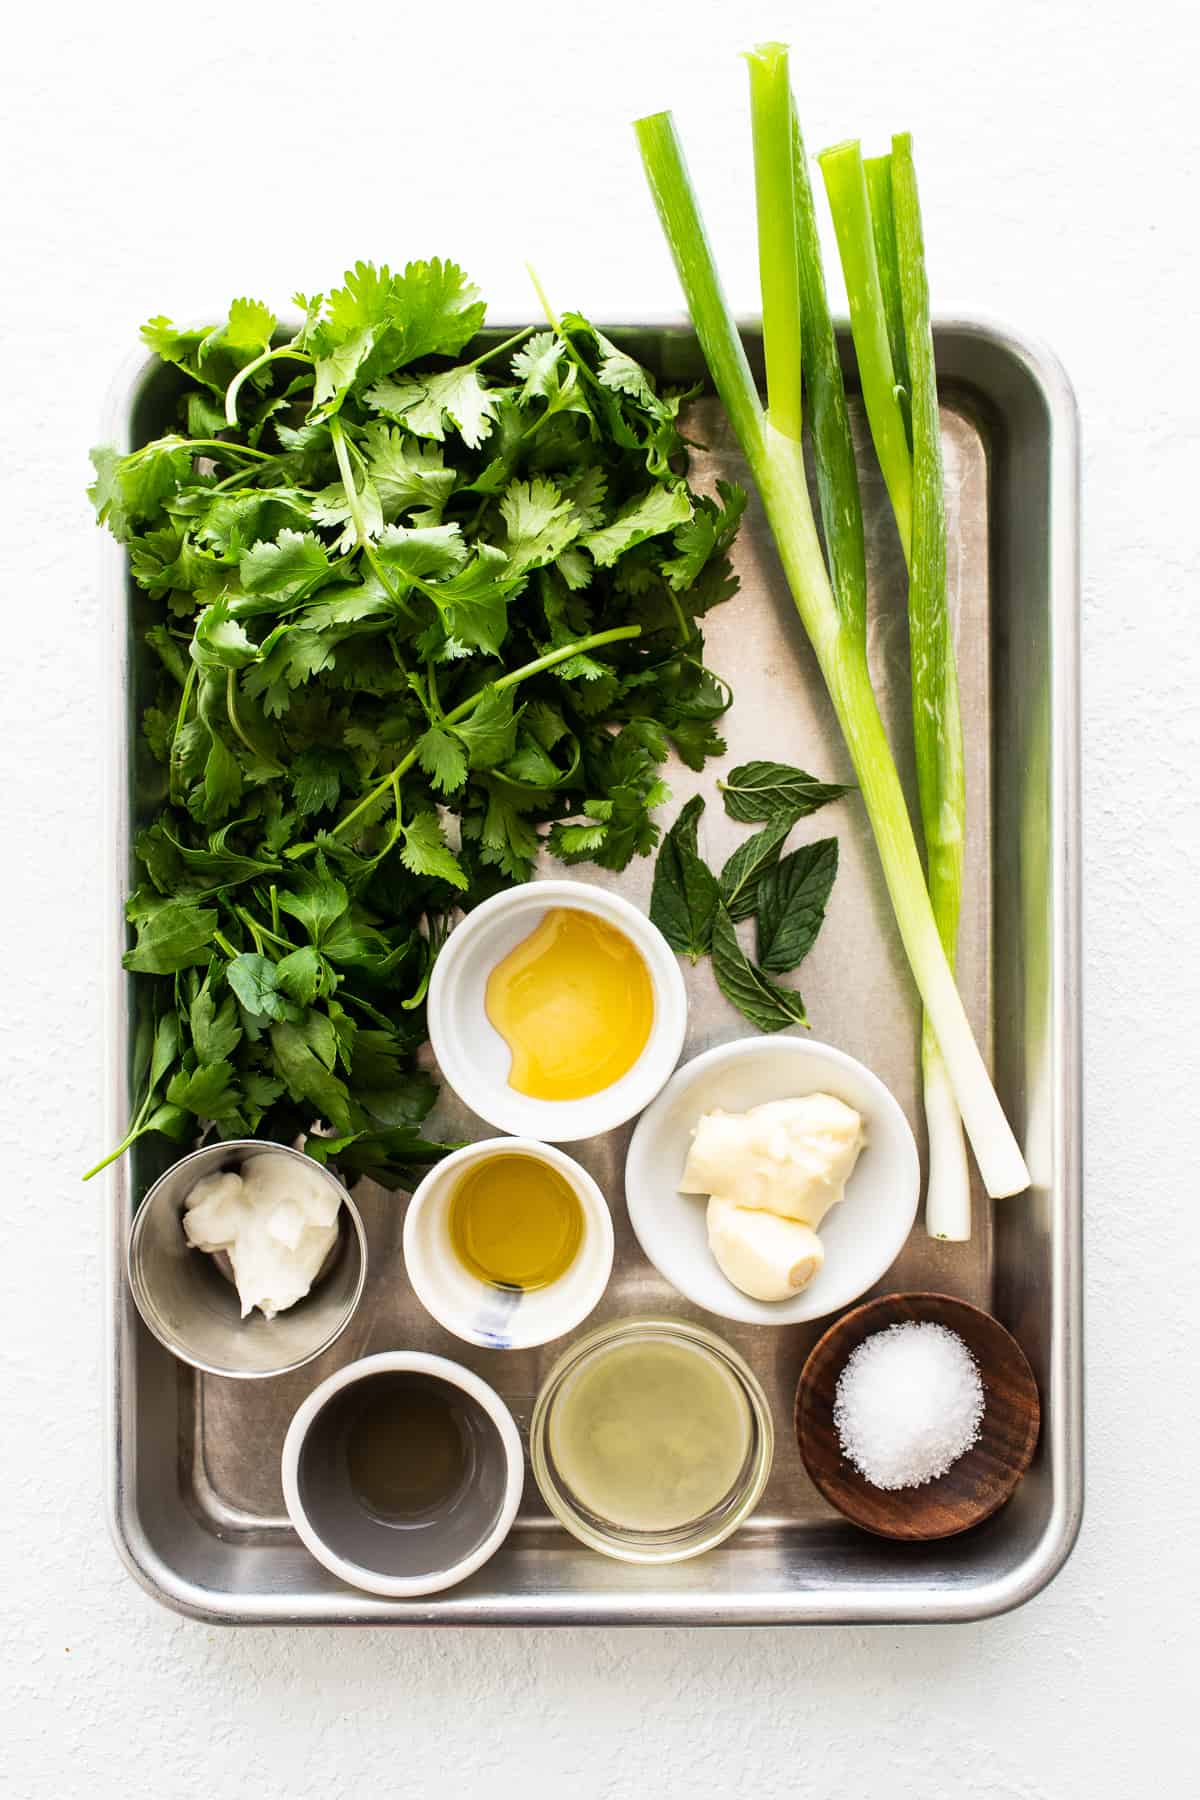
(275, 1220)
(772, 1174)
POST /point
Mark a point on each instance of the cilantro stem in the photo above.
(498, 349)
(274, 893)
(211, 444)
(224, 944)
(185, 699)
(258, 930)
(341, 453)
(235, 386)
(231, 710)
(244, 474)
(550, 660)
(135, 1131)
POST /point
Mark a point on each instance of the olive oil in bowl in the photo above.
(574, 1002)
(515, 1222)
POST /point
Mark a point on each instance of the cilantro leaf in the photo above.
(427, 404)
(317, 899)
(426, 852)
(216, 1031)
(647, 516)
(539, 523)
(308, 1075)
(489, 732)
(171, 935)
(443, 759)
(295, 564)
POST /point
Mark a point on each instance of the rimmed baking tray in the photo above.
(193, 1474)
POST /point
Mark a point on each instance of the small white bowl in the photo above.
(862, 1235)
(475, 1059)
(500, 1318)
(434, 1551)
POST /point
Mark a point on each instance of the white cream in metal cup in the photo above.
(476, 1060)
(501, 1318)
(429, 1553)
(191, 1306)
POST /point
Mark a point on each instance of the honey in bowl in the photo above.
(574, 1003)
(515, 1222)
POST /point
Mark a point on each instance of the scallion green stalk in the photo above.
(846, 186)
(937, 720)
(777, 464)
(878, 172)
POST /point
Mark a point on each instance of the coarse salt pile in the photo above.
(909, 1403)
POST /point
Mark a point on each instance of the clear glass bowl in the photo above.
(695, 1535)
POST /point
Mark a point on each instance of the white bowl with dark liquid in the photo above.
(402, 1473)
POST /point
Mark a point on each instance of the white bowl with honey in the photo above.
(557, 1011)
(508, 1243)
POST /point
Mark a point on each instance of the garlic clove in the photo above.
(767, 1257)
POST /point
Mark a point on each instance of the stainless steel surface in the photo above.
(189, 1303)
(194, 1491)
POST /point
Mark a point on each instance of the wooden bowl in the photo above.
(980, 1481)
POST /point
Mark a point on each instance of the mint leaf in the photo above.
(767, 1006)
(762, 790)
(791, 905)
(750, 861)
(685, 895)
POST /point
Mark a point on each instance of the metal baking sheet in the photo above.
(193, 1480)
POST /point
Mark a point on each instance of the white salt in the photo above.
(909, 1403)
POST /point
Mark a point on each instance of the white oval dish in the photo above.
(475, 1059)
(862, 1236)
(501, 1318)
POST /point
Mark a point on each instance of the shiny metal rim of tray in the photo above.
(192, 1478)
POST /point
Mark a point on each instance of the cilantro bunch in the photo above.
(417, 604)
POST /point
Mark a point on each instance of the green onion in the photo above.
(888, 293)
(777, 463)
(937, 721)
(878, 171)
(846, 186)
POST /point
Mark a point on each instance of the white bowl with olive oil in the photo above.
(557, 1011)
(508, 1243)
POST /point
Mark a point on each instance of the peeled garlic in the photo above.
(769, 1258)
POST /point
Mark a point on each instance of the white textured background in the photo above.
(160, 157)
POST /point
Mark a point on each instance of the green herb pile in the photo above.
(419, 604)
(697, 911)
